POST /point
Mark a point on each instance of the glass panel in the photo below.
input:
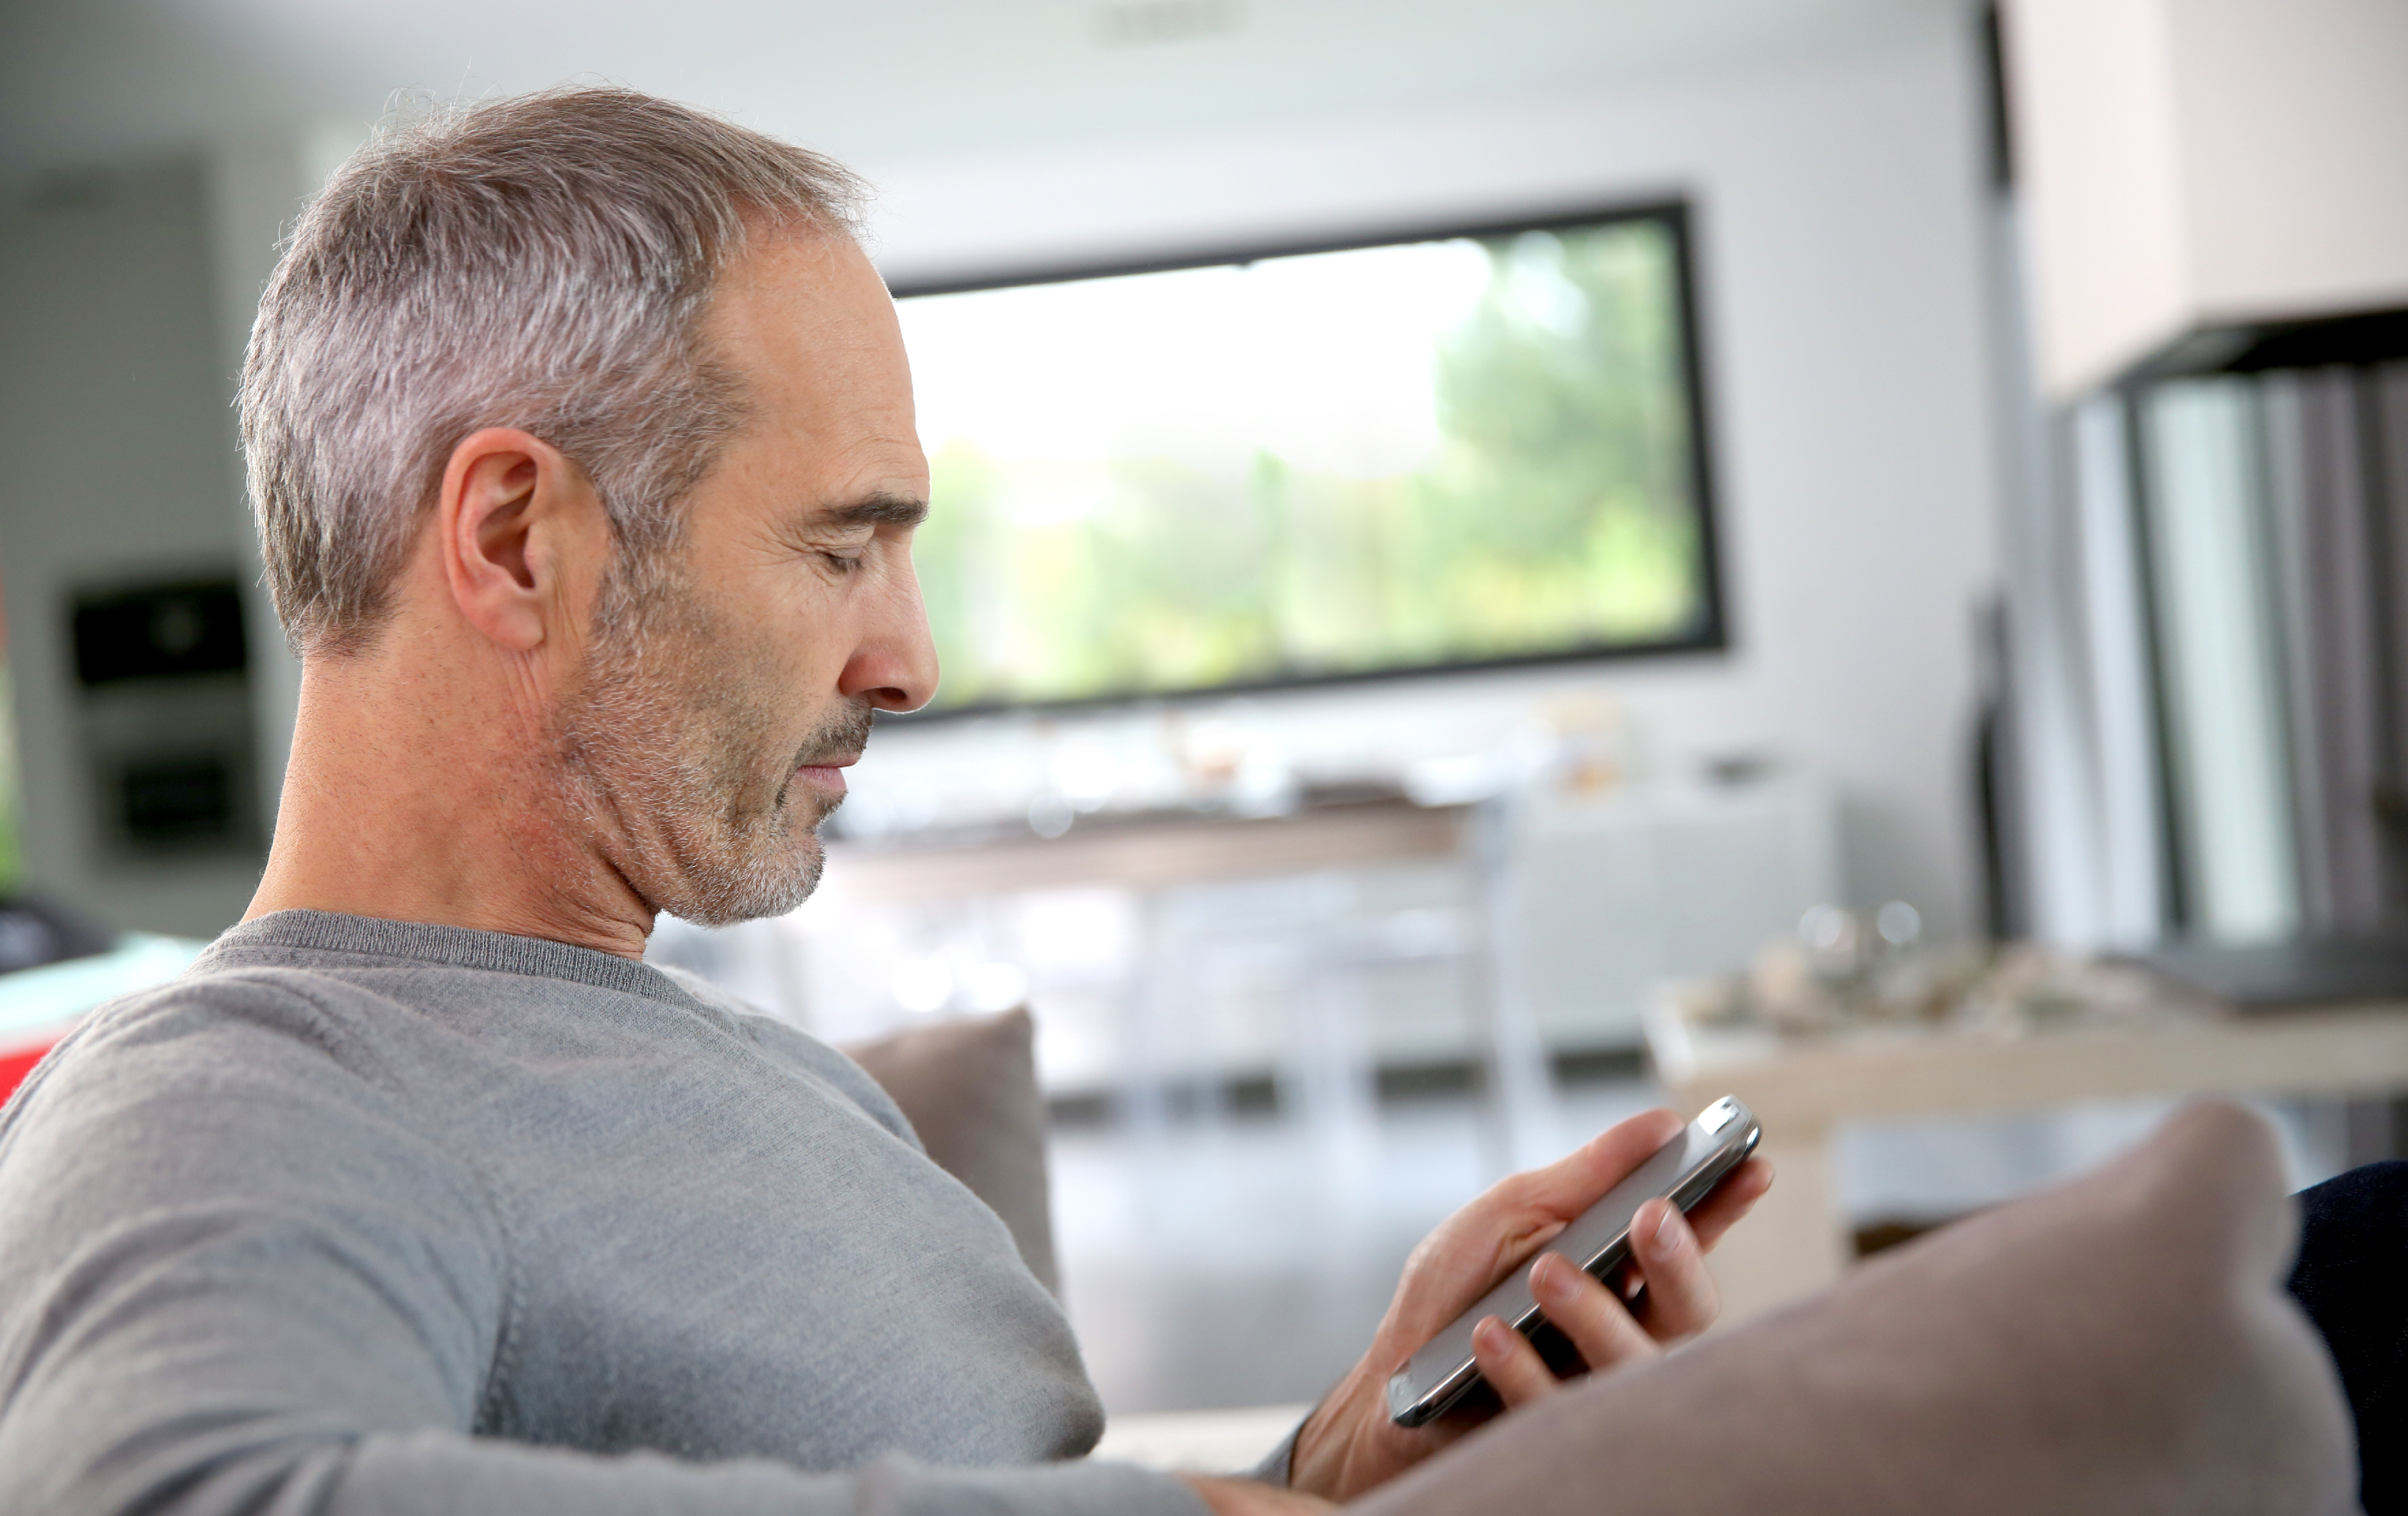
(1329, 463)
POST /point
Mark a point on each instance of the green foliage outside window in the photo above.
(1554, 511)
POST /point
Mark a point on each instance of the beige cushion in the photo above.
(2118, 1345)
(970, 1089)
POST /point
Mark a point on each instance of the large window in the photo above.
(1454, 451)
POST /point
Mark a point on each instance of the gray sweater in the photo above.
(364, 1216)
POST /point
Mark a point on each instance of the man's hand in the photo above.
(1349, 1445)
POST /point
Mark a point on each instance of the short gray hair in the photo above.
(542, 262)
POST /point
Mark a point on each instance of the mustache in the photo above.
(843, 736)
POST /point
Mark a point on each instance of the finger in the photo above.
(1511, 1367)
(1682, 1299)
(1573, 1182)
(1585, 1310)
(1730, 1201)
(1501, 1228)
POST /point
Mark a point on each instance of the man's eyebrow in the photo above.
(879, 510)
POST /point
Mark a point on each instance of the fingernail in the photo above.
(1546, 1275)
(1489, 1333)
(1666, 1238)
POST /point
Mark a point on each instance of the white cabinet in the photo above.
(2187, 166)
(1597, 900)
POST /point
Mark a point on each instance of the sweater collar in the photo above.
(428, 942)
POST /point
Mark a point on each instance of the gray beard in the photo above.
(664, 752)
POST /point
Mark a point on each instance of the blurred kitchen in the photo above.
(1494, 565)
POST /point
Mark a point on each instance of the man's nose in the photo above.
(894, 667)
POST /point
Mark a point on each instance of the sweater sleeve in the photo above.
(233, 1278)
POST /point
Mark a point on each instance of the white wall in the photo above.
(1839, 234)
(2098, 162)
(2201, 163)
(1839, 246)
(2296, 141)
(255, 186)
(116, 463)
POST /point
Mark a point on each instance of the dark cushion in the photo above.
(2352, 1278)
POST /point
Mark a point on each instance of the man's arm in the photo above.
(232, 1279)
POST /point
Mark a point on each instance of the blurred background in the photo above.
(1494, 565)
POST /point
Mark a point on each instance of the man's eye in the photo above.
(843, 562)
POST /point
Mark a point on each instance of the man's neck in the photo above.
(393, 811)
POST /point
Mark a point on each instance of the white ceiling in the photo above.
(88, 81)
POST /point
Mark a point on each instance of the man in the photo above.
(581, 440)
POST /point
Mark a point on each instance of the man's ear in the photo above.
(523, 538)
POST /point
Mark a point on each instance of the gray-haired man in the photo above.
(582, 440)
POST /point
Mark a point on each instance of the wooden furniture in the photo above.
(1146, 851)
(1802, 1089)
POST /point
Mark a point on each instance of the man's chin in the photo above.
(751, 889)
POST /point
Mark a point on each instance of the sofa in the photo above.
(2120, 1344)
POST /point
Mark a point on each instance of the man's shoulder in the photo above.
(226, 1081)
(221, 1030)
(219, 1003)
(793, 1046)
(233, 1112)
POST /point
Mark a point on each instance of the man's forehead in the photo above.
(806, 320)
(810, 291)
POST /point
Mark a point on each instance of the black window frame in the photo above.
(1713, 632)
